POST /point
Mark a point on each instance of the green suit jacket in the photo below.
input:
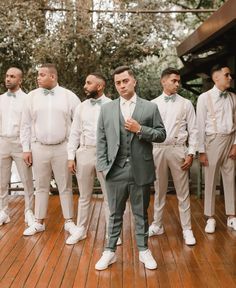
(108, 139)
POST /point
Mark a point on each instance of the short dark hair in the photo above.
(98, 75)
(218, 67)
(122, 69)
(51, 67)
(17, 68)
(168, 71)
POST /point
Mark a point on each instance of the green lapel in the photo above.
(116, 117)
(138, 111)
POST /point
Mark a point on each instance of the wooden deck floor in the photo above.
(44, 260)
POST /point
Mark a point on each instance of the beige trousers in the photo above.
(171, 157)
(48, 159)
(11, 149)
(86, 172)
(217, 149)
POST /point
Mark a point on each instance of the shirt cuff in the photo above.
(191, 150)
(201, 150)
(71, 156)
(26, 148)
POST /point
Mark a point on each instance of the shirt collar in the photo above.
(53, 89)
(17, 92)
(101, 97)
(164, 94)
(216, 91)
(133, 99)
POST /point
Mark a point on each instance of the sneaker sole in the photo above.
(191, 244)
(113, 260)
(36, 231)
(151, 234)
(74, 242)
(146, 266)
(231, 228)
(5, 222)
(210, 232)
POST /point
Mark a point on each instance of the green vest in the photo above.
(123, 155)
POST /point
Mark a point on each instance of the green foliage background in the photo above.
(79, 42)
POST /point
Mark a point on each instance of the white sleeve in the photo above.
(201, 122)
(75, 133)
(26, 125)
(192, 129)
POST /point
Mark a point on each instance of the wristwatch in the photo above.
(139, 132)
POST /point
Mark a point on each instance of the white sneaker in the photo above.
(231, 222)
(4, 218)
(188, 237)
(77, 234)
(210, 226)
(69, 226)
(147, 259)
(155, 230)
(33, 229)
(108, 257)
(29, 217)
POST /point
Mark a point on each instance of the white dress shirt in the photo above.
(84, 126)
(47, 118)
(171, 113)
(223, 110)
(127, 106)
(10, 113)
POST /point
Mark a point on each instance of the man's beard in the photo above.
(10, 86)
(92, 94)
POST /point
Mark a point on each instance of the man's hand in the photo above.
(27, 156)
(72, 166)
(132, 125)
(203, 159)
(187, 163)
(232, 153)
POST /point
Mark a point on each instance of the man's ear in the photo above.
(99, 87)
(215, 76)
(163, 81)
(53, 76)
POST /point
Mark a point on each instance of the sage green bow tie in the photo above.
(170, 98)
(11, 94)
(224, 94)
(47, 91)
(96, 101)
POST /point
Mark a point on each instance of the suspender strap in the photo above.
(179, 118)
(233, 103)
(82, 138)
(212, 112)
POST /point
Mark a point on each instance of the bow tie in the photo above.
(224, 94)
(47, 91)
(11, 94)
(96, 101)
(170, 98)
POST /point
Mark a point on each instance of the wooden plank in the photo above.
(79, 273)
(44, 260)
(33, 248)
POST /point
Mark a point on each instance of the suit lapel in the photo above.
(138, 111)
(116, 117)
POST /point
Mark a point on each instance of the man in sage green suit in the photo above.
(127, 127)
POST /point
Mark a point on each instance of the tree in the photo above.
(64, 32)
